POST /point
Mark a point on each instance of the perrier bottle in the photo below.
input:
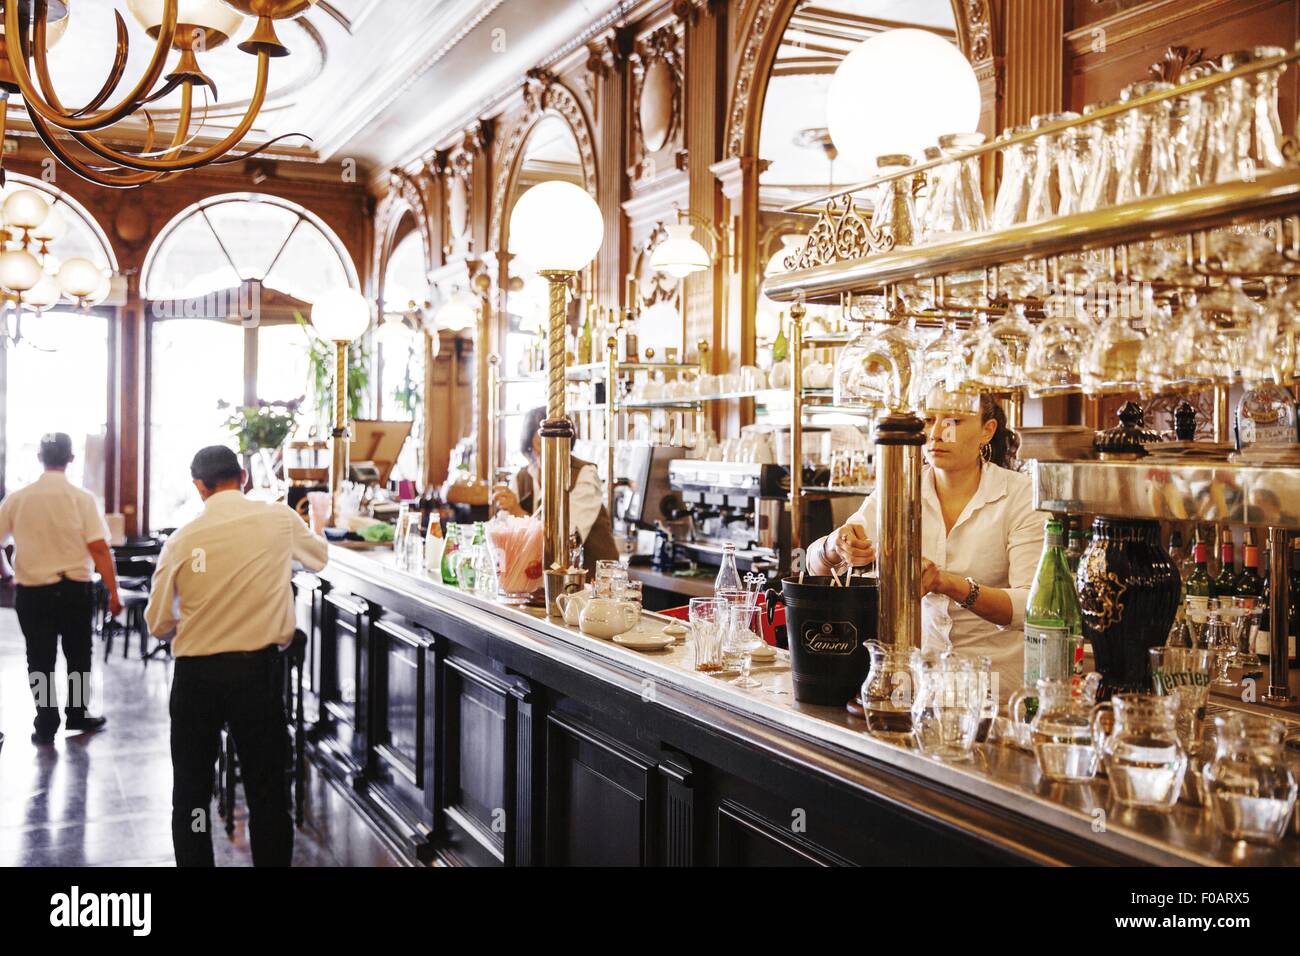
(449, 556)
(1053, 622)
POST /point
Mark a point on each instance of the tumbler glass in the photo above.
(1184, 673)
(708, 620)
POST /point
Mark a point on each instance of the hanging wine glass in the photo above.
(988, 362)
(937, 357)
(1156, 365)
(1013, 331)
(1275, 339)
(1110, 363)
(1055, 356)
(1211, 343)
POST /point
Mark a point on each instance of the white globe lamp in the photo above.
(19, 270)
(46, 293)
(341, 315)
(557, 227)
(79, 277)
(26, 209)
(898, 92)
(459, 312)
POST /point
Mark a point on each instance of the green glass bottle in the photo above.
(1249, 584)
(1225, 585)
(449, 550)
(1053, 621)
(1199, 586)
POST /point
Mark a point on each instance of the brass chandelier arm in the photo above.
(43, 70)
(193, 160)
(95, 121)
(87, 172)
(183, 120)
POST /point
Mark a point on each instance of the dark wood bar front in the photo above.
(476, 733)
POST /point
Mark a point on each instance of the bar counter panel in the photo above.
(490, 735)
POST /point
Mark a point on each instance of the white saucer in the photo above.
(676, 631)
(643, 642)
(763, 652)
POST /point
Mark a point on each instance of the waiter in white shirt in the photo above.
(222, 595)
(59, 532)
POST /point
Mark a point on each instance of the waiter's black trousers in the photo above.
(243, 692)
(44, 614)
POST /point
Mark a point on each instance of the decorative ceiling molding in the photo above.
(658, 82)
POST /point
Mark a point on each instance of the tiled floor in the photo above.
(104, 799)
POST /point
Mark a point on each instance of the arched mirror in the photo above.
(550, 152)
(794, 138)
(403, 349)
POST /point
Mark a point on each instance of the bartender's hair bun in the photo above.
(1004, 446)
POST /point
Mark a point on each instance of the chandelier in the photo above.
(32, 279)
(189, 27)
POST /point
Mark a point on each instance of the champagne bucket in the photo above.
(826, 627)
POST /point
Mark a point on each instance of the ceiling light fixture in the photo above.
(190, 27)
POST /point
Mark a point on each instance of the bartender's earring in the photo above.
(986, 451)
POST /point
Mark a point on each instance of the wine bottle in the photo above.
(1225, 585)
(781, 346)
(1053, 621)
(1199, 586)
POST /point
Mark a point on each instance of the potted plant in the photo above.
(261, 430)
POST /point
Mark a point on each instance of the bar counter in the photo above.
(474, 732)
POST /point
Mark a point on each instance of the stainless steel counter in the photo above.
(999, 777)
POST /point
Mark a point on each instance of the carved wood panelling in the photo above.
(456, 167)
(658, 79)
(407, 193)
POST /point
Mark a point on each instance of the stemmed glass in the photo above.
(1211, 345)
(986, 358)
(743, 635)
(1110, 364)
(1055, 356)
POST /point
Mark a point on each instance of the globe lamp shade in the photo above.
(341, 315)
(217, 21)
(54, 227)
(458, 313)
(47, 292)
(19, 270)
(26, 209)
(79, 277)
(556, 226)
(679, 255)
(898, 92)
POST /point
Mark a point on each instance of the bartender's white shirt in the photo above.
(51, 521)
(586, 498)
(997, 540)
(222, 582)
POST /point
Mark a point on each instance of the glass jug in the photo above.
(1061, 730)
(1107, 158)
(1249, 785)
(956, 207)
(1018, 163)
(1147, 160)
(1051, 176)
(1144, 758)
(949, 705)
(888, 691)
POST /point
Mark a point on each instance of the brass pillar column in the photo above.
(557, 443)
(898, 441)
(339, 436)
(1279, 604)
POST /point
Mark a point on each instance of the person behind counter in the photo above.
(588, 516)
(981, 540)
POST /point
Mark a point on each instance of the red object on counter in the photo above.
(769, 630)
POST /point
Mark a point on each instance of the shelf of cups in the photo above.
(764, 396)
(589, 370)
(846, 490)
(1269, 195)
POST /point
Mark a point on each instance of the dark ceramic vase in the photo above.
(1128, 592)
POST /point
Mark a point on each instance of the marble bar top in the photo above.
(999, 775)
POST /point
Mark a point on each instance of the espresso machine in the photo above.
(739, 503)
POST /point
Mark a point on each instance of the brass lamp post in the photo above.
(557, 228)
(340, 317)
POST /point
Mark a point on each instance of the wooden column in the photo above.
(131, 373)
(1034, 60)
(607, 64)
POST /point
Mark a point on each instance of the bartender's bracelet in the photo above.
(833, 558)
(972, 597)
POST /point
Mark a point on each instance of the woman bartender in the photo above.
(588, 517)
(980, 540)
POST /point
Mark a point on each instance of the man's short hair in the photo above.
(56, 450)
(216, 465)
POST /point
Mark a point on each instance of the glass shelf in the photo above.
(846, 490)
(764, 396)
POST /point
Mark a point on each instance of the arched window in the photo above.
(230, 282)
(57, 365)
(222, 242)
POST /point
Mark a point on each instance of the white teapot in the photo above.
(606, 617)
